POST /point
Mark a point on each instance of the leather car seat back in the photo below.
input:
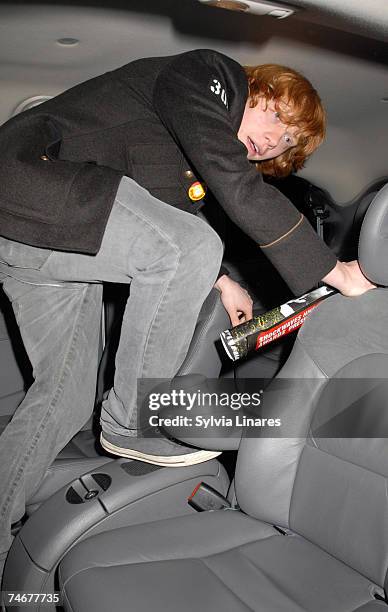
(324, 473)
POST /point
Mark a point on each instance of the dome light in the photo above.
(231, 5)
(67, 42)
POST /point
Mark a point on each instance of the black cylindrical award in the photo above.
(263, 329)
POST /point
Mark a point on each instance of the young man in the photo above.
(96, 185)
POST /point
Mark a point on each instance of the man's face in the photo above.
(263, 133)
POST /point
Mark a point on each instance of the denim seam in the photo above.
(162, 298)
(52, 404)
(155, 228)
(142, 364)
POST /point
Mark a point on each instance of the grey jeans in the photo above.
(171, 260)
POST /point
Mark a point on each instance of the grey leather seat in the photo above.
(310, 532)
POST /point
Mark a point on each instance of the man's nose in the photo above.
(273, 137)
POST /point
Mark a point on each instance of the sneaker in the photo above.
(159, 451)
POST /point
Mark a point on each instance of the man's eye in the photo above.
(287, 139)
(277, 115)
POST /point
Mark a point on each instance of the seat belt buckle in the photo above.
(204, 498)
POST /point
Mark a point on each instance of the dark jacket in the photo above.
(165, 122)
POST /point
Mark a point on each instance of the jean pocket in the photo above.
(24, 256)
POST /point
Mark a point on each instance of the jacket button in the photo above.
(188, 174)
(44, 158)
(196, 191)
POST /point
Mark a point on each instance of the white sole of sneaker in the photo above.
(177, 461)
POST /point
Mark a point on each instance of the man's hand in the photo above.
(348, 279)
(236, 300)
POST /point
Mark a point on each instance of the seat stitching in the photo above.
(301, 344)
(308, 434)
(65, 597)
(272, 581)
(327, 554)
(361, 467)
(202, 560)
(118, 564)
(160, 561)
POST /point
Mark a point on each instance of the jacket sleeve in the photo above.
(200, 98)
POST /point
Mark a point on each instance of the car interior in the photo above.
(300, 523)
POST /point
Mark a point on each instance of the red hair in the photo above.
(298, 104)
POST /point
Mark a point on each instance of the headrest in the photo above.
(373, 243)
